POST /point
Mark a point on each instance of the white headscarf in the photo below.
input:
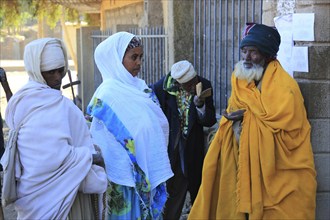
(140, 115)
(109, 56)
(50, 58)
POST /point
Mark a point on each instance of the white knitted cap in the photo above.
(183, 71)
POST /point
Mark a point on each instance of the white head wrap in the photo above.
(40, 53)
(109, 56)
(52, 56)
(183, 71)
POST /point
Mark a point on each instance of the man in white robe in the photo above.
(50, 150)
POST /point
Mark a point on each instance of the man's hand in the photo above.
(199, 101)
(234, 116)
(98, 160)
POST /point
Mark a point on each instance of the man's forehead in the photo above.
(250, 48)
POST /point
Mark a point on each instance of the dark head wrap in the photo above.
(135, 42)
(265, 38)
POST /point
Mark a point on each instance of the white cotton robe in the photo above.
(54, 159)
(141, 116)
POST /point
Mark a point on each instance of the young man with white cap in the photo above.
(50, 164)
(187, 113)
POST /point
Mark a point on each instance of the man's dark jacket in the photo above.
(194, 150)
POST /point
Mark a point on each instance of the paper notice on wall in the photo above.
(303, 26)
(284, 27)
(299, 59)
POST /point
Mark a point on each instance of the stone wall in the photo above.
(315, 87)
(119, 19)
(131, 15)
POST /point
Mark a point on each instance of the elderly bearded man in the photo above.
(260, 163)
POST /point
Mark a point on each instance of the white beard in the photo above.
(249, 74)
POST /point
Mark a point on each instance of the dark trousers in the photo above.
(177, 188)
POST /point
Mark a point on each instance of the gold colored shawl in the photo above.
(270, 174)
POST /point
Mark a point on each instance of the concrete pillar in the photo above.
(85, 59)
(169, 27)
(183, 30)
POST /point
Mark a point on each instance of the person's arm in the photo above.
(208, 119)
(237, 118)
(4, 83)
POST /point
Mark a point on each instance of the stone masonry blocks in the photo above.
(322, 206)
(320, 137)
(317, 98)
(322, 19)
(322, 165)
(319, 60)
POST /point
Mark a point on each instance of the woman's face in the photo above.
(133, 59)
(54, 77)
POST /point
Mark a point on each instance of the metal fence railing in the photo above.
(218, 25)
(217, 29)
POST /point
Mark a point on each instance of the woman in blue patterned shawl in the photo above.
(131, 130)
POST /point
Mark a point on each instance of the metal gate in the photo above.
(217, 33)
(155, 45)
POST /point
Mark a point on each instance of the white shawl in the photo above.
(54, 149)
(142, 117)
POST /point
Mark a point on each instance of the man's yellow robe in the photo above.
(270, 174)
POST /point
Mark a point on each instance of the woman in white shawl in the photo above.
(131, 130)
(50, 150)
